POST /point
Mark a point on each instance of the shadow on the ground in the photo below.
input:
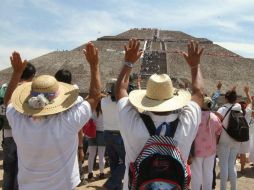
(96, 187)
(247, 172)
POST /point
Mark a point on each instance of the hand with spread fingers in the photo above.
(249, 98)
(132, 52)
(91, 54)
(18, 67)
(193, 60)
(17, 64)
(194, 54)
(92, 57)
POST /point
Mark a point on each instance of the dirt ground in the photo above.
(245, 181)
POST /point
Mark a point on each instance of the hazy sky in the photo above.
(36, 27)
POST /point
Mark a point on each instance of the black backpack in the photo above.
(238, 127)
(159, 164)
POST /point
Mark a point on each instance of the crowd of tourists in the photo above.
(159, 137)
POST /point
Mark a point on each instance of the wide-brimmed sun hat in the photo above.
(160, 95)
(44, 96)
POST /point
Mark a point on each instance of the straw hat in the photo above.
(44, 96)
(160, 95)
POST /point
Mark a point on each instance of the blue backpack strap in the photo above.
(148, 123)
(151, 127)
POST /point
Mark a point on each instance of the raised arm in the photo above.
(91, 54)
(18, 67)
(193, 60)
(249, 99)
(139, 82)
(132, 54)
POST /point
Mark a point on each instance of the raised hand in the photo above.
(246, 89)
(17, 64)
(194, 54)
(219, 85)
(91, 54)
(132, 53)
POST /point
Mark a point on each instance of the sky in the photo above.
(37, 27)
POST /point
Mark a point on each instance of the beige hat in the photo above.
(44, 96)
(160, 95)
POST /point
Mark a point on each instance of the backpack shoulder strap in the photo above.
(227, 112)
(174, 125)
(148, 123)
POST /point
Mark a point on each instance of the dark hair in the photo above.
(112, 93)
(98, 109)
(28, 72)
(63, 75)
(130, 88)
(231, 96)
(209, 105)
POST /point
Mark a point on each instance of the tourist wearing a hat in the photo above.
(205, 148)
(162, 102)
(45, 116)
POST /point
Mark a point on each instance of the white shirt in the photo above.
(47, 147)
(135, 134)
(110, 114)
(225, 138)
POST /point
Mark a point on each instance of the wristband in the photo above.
(128, 64)
(195, 66)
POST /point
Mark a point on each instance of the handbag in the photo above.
(89, 129)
